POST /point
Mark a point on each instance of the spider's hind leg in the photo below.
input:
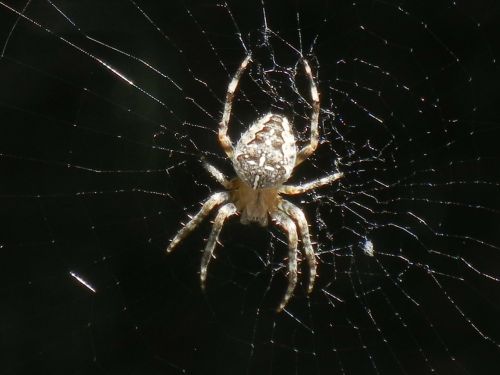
(224, 139)
(309, 149)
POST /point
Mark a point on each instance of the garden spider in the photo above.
(263, 160)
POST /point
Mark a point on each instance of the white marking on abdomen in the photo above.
(255, 182)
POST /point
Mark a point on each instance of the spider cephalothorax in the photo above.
(263, 159)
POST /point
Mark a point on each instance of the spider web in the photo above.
(107, 109)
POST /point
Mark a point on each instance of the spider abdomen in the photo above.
(265, 154)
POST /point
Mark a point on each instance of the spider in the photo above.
(263, 159)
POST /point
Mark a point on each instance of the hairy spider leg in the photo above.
(286, 223)
(217, 174)
(213, 201)
(224, 139)
(224, 212)
(311, 185)
(309, 149)
(298, 216)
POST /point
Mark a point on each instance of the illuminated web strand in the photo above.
(82, 281)
(112, 69)
(143, 62)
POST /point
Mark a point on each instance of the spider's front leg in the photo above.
(214, 200)
(224, 212)
(298, 216)
(282, 220)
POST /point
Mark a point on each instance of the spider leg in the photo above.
(307, 151)
(299, 189)
(224, 212)
(224, 139)
(214, 200)
(286, 223)
(217, 174)
(298, 216)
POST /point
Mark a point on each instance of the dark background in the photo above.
(96, 176)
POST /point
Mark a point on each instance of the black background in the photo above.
(75, 141)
